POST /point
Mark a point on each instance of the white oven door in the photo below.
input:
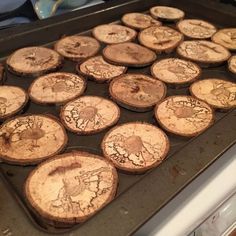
(198, 201)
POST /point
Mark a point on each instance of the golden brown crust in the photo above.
(91, 116)
(69, 220)
(113, 34)
(129, 54)
(29, 160)
(189, 134)
(137, 84)
(4, 100)
(143, 168)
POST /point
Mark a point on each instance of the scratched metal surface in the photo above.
(15, 175)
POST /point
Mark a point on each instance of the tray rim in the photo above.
(91, 227)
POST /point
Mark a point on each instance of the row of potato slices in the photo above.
(153, 36)
(137, 92)
(38, 60)
(23, 138)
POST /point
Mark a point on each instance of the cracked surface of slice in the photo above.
(89, 114)
(226, 37)
(175, 71)
(112, 34)
(139, 21)
(232, 64)
(160, 38)
(204, 52)
(197, 29)
(56, 88)
(33, 61)
(12, 100)
(137, 92)
(184, 115)
(30, 139)
(100, 70)
(167, 13)
(216, 92)
(71, 187)
(77, 48)
(129, 54)
(135, 147)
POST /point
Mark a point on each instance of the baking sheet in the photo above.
(16, 175)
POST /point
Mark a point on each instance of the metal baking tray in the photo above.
(139, 197)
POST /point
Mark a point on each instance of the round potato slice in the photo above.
(197, 29)
(135, 147)
(139, 21)
(99, 70)
(218, 93)
(112, 34)
(160, 38)
(204, 52)
(33, 61)
(175, 71)
(184, 115)
(129, 54)
(226, 37)
(56, 88)
(77, 47)
(89, 114)
(70, 188)
(137, 92)
(12, 100)
(29, 139)
(165, 13)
